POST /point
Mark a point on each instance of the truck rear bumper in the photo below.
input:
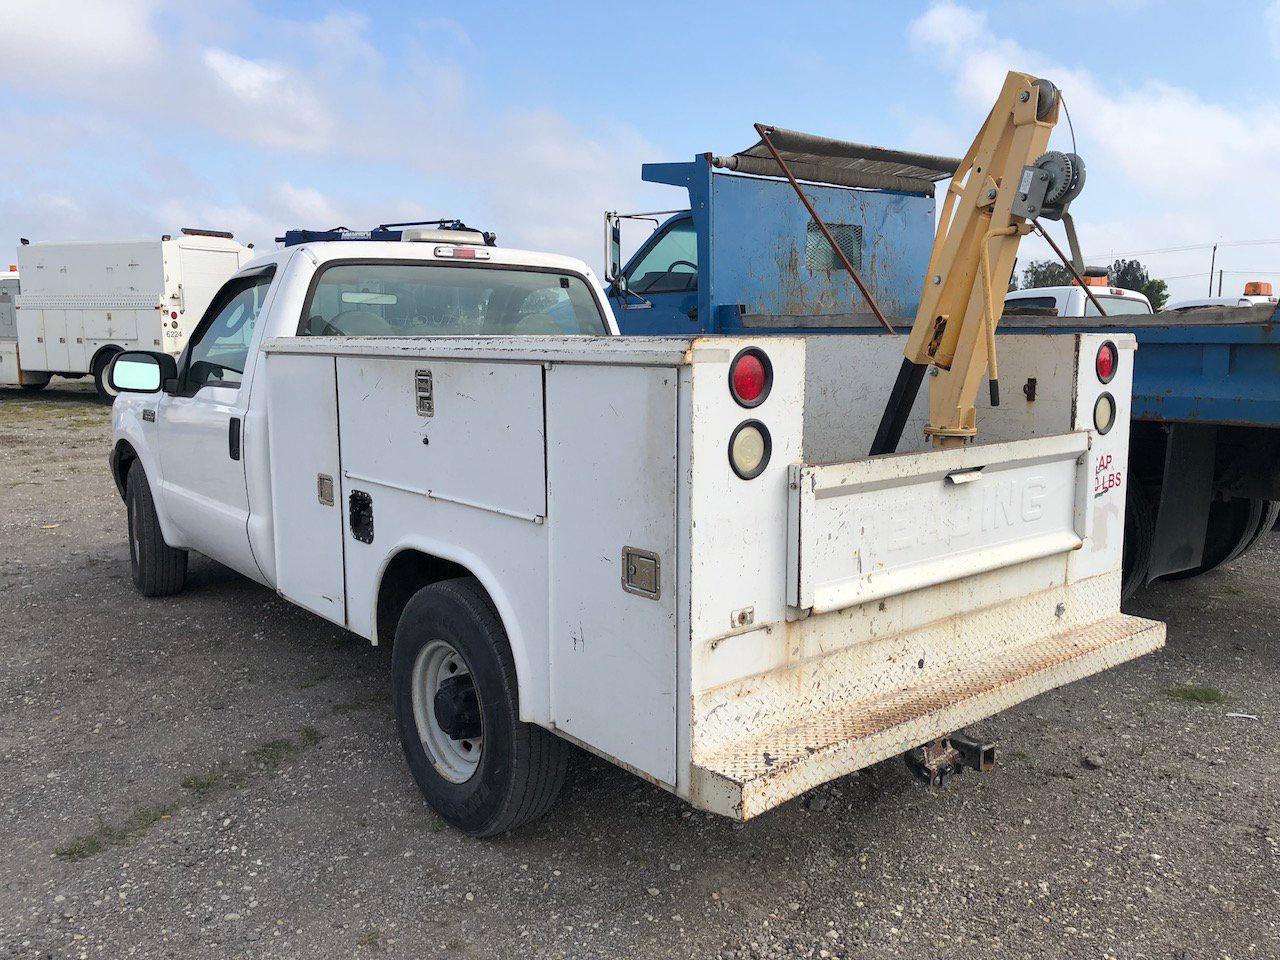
(823, 734)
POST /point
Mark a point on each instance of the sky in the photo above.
(136, 117)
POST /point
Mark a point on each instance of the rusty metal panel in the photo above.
(757, 241)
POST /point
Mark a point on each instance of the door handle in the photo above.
(233, 438)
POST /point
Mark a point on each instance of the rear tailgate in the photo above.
(884, 526)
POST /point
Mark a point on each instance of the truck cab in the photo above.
(745, 255)
(1072, 301)
(1255, 292)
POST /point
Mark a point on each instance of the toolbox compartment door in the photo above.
(302, 410)
(883, 526)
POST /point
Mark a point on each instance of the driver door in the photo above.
(201, 427)
(662, 284)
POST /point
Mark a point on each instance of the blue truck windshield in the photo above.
(381, 299)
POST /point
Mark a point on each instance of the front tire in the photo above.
(158, 569)
(100, 367)
(457, 708)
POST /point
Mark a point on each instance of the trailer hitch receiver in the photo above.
(936, 761)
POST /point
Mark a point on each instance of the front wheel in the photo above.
(101, 367)
(158, 569)
(457, 709)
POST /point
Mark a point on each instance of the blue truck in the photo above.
(745, 257)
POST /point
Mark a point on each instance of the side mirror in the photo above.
(615, 250)
(141, 371)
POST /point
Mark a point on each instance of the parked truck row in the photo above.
(68, 308)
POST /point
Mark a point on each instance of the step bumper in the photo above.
(766, 770)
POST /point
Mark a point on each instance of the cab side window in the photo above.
(670, 265)
(220, 345)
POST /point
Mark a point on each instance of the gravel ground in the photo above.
(216, 775)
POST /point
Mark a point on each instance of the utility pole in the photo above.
(1213, 260)
(1219, 282)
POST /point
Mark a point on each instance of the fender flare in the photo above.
(534, 705)
(128, 433)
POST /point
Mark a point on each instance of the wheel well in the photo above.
(108, 351)
(407, 573)
(121, 459)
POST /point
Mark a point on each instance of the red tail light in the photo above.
(1107, 361)
(750, 377)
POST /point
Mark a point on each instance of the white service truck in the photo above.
(671, 551)
(1072, 301)
(83, 302)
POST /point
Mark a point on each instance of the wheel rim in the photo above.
(455, 760)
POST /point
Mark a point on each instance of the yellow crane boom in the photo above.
(1005, 181)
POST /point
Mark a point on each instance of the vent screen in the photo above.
(818, 254)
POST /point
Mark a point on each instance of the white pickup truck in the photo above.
(670, 551)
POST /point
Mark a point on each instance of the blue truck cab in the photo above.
(747, 257)
(747, 248)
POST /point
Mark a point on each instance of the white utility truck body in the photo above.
(736, 636)
(82, 302)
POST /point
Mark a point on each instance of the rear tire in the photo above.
(1234, 526)
(1270, 511)
(521, 767)
(158, 569)
(1139, 533)
(101, 364)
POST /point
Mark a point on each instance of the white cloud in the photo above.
(1166, 165)
(55, 42)
(323, 131)
(269, 104)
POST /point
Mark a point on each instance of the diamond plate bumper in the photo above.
(758, 773)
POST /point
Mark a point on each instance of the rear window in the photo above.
(428, 299)
(1116, 306)
(1014, 304)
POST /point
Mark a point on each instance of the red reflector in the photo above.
(748, 378)
(1107, 361)
(173, 315)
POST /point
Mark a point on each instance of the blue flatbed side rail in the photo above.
(1218, 365)
(1213, 365)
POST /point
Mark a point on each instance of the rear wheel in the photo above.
(158, 569)
(457, 709)
(1139, 532)
(1235, 524)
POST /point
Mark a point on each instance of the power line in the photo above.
(1206, 273)
(1185, 249)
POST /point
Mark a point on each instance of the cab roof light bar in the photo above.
(449, 230)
